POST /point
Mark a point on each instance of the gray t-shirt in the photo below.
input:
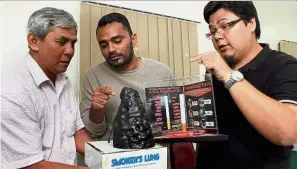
(103, 75)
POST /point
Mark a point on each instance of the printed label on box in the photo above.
(102, 155)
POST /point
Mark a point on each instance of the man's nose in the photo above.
(111, 48)
(69, 50)
(218, 34)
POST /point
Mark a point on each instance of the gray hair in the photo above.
(42, 20)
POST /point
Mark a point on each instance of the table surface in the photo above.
(194, 139)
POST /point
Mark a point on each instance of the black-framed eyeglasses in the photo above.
(224, 27)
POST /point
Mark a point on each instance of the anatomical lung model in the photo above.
(131, 129)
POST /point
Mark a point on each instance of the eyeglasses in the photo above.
(224, 28)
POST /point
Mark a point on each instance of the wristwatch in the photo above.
(236, 76)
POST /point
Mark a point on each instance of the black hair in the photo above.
(115, 17)
(243, 9)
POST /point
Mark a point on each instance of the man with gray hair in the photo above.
(41, 124)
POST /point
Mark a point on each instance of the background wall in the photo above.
(14, 18)
(276, 17)
(278, 22)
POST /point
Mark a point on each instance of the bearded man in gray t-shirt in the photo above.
(103, 82)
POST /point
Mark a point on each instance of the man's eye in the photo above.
(62, 43)
(117, 40)
(102, 46)
(225, 26)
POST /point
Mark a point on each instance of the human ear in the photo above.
(33, 42)
(252, 25)
(134, 40)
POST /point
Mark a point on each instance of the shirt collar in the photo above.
(38, 74)
(255, 63)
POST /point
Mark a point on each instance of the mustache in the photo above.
(112, 55)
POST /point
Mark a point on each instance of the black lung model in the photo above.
(131, 129)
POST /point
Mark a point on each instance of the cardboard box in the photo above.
(102, 155)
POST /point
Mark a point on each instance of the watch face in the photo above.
(237, 75)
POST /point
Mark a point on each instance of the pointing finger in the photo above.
(197, 58)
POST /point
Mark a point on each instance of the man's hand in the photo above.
(214, 64)
(101, 96)
(100, 99)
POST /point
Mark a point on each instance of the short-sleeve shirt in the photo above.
(274, 74)
(39, 119)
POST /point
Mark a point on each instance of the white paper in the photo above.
(167, 112)
(182, 108)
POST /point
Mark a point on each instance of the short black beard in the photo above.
(126, 60)
(230, 61)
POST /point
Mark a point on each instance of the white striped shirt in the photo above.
(39, 120)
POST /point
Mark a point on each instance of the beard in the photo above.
(230, 61)
(127, 59)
